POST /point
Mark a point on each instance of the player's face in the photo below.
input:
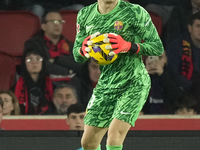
(94, 71)
(185, 111)
(33, 63)
(54, 24)
(1, 113)
(195, 30)
(105, 6)
(75, 121)
(8, 105)
(63, 99)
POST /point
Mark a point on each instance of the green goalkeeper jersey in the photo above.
(134, 24)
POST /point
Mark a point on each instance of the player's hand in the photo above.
(118, 44)
(85, 49)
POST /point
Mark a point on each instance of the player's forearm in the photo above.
(153, 45)
(154, 48)
(77, 55)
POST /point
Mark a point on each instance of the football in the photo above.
(99, 53)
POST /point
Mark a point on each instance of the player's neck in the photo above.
(106, 7)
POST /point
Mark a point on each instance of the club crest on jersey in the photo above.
(118, 25)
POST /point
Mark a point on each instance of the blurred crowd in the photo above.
(175, 75)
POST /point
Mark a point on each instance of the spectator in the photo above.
(178, 20)
(183, 54)
(195, 90)
(85, 80)
(164, 91)
(11, 104)
(75, 116)
(161, 8)
(54, 47)
(64, 96)
(1, 111)
(186, 105)
(34, 89)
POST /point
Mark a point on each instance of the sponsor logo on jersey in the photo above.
(148, 22)
(118, 25)
(125, 113)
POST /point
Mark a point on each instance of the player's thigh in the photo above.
(130, 103)
(93, 134)
(119, 126)
(100, 109)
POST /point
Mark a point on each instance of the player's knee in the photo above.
(88, 144)
(85, 145)
(114, 139)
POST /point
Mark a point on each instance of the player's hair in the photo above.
(193, 18)
(75, 108)
(16, 110)
(186, 100)
(66, 86)
(1, 102)
(43, 19)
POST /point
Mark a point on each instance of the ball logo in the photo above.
(118, 25)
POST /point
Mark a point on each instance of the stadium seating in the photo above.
(15, 28)
(69, 28)
(7, 67)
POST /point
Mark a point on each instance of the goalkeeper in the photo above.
(124, 85)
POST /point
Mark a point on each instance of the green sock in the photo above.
(99, 148)
(108, 147)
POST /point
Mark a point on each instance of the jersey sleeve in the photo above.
(80, 36)
(147, 31)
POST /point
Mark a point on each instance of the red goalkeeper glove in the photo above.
(84, 50)
(119, 44)
(84, 47)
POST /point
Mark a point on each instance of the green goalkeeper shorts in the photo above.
(121, 104)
